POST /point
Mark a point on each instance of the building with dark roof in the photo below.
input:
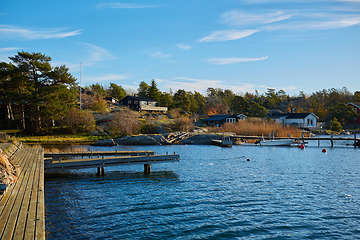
(219, 119)
(142, 104)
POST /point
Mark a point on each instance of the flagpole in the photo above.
(80, 86)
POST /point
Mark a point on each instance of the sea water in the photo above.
(244, 192)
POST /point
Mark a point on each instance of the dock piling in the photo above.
(147, 168)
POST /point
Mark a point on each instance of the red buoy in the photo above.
(302, 146)
(324, 150)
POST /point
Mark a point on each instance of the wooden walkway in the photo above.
(100, 163)
(22, 208)
(98, 153)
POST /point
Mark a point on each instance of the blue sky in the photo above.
(242, 45)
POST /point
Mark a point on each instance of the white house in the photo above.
(303, 120)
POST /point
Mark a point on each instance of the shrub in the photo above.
(183, 124)
(126, 122)
(335, 125)
(258, 128)
(79, 121)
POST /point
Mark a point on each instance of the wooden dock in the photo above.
(97, 153)
(101, 163)
(22, 209)
(330, 138)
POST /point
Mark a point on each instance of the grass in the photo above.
(258, 128)
(62, 139)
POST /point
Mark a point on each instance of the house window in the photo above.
(230, 120)
(355, 109)
(136, 102)
(129, 101)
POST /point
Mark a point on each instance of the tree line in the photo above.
(35, 97)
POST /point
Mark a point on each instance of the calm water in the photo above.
(212, 193)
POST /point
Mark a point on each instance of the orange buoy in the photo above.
(302, 146)
(324, 150)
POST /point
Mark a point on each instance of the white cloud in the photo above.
(183, 46)
(5, 53)
(125, 5)
(236, 17)
(228, 35)
(12, 32)
(98, 54)
(8, 49)
(223, 61)
(159, 54)
(191, 84)
(106, 77)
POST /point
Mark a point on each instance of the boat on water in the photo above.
(224, 142)
(276, 142)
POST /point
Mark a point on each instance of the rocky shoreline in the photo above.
(8, 170)
(182, 138)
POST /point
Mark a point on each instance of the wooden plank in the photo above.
(102, 162)
(31, 219)
(16, 222)
(40, 221)
(21, 224)
(13, 203)
(99, 153)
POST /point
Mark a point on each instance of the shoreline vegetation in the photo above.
(187, 134)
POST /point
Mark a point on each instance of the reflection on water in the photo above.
(212, 193)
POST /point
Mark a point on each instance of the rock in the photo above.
(106, 142)
(152, 139)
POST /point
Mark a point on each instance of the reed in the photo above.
(258, 128)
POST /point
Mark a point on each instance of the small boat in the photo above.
(225, 142)
(276, 142)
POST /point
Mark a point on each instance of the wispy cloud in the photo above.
(223, 61)
(13, 32)
(5, 53)
(228, 35)
(183, 46)
(236, 18)
(159, 54)
(125, 5)
(107, 77)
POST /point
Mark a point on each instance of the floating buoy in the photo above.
(324, 150)
(302, 146)
(248, 160)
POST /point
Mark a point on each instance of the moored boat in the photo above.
(277, 142)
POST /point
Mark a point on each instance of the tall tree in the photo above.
(48, 92)
(116, 91)
(153, 92)
(143, 89)
(181, 99)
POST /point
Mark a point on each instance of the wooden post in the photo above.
(318, 141)
(332, 140)
(100, 171)
(355, 140)
(147, 168)
(269, 136)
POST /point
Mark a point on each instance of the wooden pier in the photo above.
(22, 209)
(331, 138)
(97, 153)
(101, 163)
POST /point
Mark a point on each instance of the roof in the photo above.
(291, 115)
(355, 104)
(217, 117)
(138, 98)
(300, 115)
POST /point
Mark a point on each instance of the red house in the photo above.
(356, 107)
